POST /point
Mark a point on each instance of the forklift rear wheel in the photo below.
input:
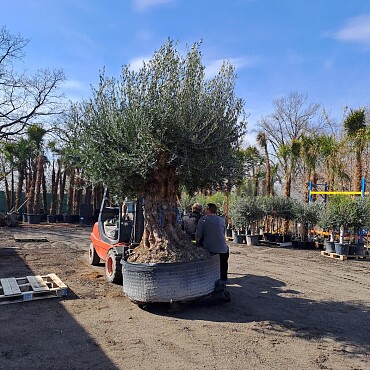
(113, 268)
(94, 259)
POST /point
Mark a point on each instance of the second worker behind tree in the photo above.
(190, 221)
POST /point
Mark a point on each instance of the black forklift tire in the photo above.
(113, 267)
(94, 259)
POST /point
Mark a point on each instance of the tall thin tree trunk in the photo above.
(31, 193)
(52, 209)
(314, 179)
(307, 180)
(358, 171)
(288, 185)
(93, 199)
(77, 193)
(287, 189)
(88, 194)
(12, 200)
(18, 194)
(38, 181)
(7, 193)
(268, 173)
(62, 185)
(256, 183)
(70, 191)
(54, 189)
(44, 193)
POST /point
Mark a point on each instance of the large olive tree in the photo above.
(156, 129)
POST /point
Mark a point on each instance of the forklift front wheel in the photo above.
(113, 268)
(94, 259)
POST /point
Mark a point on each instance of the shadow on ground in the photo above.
(42, 334)
(263, 299)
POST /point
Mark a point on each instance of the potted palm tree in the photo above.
(36, 134)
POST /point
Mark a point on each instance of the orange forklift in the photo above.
(119, 229)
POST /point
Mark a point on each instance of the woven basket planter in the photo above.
(169, 282)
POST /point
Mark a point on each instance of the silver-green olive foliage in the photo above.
(167, 109)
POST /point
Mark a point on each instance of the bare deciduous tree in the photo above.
(292, 117)
(23, 98)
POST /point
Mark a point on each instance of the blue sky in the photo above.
(317, 47)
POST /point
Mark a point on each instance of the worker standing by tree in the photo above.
(190, 221)
(210, 234)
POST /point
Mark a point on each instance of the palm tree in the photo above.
(288, 155)
(8, 161)
(330, 150)
(357, 133)
(18, 154)
(309, 152)
(36, 135)
(262, 142)
(252, 169)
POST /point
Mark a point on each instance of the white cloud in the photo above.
(144, 35)
(211, 68)
(75, 90)
(136, 64)
(74, 85)
(356, 29)
(214, 66)
(142, 5)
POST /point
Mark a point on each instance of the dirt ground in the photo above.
(290, 309)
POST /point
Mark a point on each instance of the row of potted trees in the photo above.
(280, 217)
(347, 219)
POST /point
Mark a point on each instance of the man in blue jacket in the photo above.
(210, 234)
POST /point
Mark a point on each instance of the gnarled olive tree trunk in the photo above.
(163, 239)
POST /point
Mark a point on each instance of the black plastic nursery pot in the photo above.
(239, 238)
(279, 238)
(169, 282)
(252, 239)
(51, 219)
(295, 243)
(34, 218)
(306, 245)
(359, 249)
(287, 238)
(66, 218)
(271, 237)
(351, 249)
(329, 246)
(72, 219)
(341, 249)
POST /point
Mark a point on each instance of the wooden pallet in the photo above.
(274, 244)
(345, 257)
(30, 238)
(31, 288)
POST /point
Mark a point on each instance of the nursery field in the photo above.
(290, 309)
